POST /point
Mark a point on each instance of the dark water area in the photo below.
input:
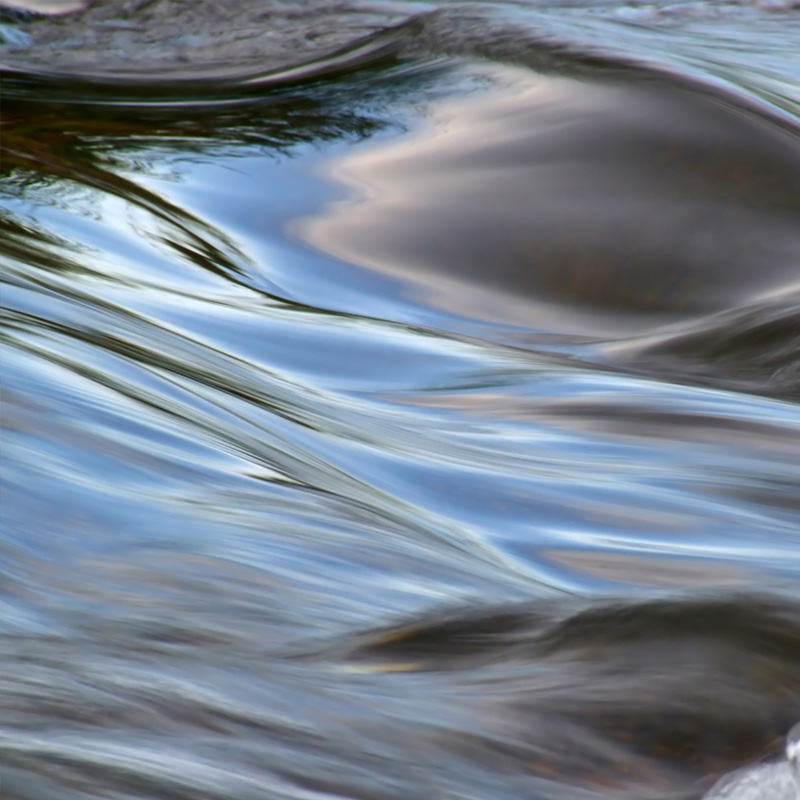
(400, 400)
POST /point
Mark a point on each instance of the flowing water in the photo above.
(400, 399)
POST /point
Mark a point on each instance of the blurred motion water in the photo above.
(400, 399)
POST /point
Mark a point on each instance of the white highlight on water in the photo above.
(779, 781)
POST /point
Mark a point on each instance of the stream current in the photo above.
(400, 399)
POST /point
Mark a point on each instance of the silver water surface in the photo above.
(239, 437)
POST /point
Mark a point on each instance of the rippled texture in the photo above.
(400, 400)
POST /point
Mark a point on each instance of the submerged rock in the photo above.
(648, 699)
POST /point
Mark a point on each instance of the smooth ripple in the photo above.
(276, 525)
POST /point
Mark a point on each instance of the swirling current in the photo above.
(400, 400)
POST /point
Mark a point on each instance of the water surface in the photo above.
(400, 400)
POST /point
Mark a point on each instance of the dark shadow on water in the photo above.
(750, 349)
(590, 207)
(554, 700)
(649, 698)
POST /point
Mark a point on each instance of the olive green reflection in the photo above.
(593, 206)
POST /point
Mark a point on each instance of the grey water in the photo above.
(400, 400)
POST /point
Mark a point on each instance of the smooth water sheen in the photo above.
(400, 400)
